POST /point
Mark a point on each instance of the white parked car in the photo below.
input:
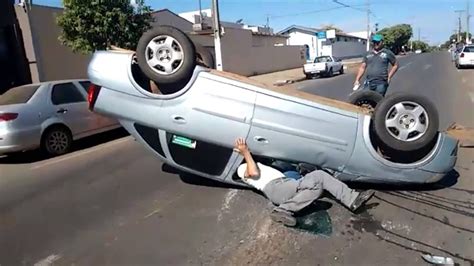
(323, 66)
(418, 51)
(49, 115)
(466, 57)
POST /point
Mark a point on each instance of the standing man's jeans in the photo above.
(293, 195)
(377, 86)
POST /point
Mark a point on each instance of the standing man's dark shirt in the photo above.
(377, 65)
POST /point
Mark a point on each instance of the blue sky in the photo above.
(436, 19)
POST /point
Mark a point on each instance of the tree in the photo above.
(396, 36)
(419, 45)
(90, 25)
(331, 27)
(454, 37)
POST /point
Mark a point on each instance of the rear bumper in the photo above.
(465, 62)
(15, 141)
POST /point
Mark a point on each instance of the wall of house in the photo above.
(262, 40)
(49, 60)
(348, 49)
(241, 57)
(167, 18)
(299, 38)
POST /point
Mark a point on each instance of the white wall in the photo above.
(299, 38)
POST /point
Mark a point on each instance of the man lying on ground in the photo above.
(290, 195)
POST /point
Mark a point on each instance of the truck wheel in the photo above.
(166, 55)
(330, 73)
(406, 122)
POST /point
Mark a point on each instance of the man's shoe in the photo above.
(283, 217)
(362, 198)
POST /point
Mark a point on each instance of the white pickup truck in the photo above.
(323, 66)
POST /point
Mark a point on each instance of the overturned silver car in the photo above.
(190, 116)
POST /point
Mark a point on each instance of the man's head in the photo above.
(377, 42)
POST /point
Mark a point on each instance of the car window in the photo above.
(322, 59)
(66, 93)
(85, 85)
(18, 95)
(469, 49)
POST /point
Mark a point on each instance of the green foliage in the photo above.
(454, 37)
(90, 25)
(331, 27)
(396, 36)
(419, 45)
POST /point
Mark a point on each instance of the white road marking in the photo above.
(226, 204)
(426, 67)
(48, 260)
(471, 94)
(79, 153)
(402, 67)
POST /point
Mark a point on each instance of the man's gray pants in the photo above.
(292, 195)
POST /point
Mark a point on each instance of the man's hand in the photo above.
(241, 146)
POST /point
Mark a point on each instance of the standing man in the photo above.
(376, 63)
(291, 195)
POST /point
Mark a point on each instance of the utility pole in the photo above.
(419, 30)
(459, 24)
(368, 25)
(468, 40)
(217, 34)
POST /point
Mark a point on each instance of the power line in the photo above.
(310, 12)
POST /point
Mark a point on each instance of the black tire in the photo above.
(308, 76)
(56, 140)
(181, 70)
(204, 56)
(397, 135)
(330, 73)
(365, 97)
(342, 70)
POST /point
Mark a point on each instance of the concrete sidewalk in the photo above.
(290, 76)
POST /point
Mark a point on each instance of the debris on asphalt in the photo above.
(465, 135)
(438, 260)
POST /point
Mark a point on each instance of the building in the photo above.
(31, 52)
(246, 50)
(341, 46)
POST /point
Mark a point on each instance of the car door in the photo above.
(70, 107)
(101, 121)
(202, 125)
(301, 131)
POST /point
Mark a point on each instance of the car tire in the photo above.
(342, 70)
(330, 73)
(172, 52)
(56, 140)
(365, 98)
(204, 56)
(405, 122)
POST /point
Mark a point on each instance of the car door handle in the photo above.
(61, 111)
(179, 119)
(260, 139)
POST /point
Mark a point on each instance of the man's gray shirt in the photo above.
(377, 65)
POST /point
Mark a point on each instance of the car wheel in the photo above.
(365, 98)
(56, 141)
(204, 56)
(342, 70)
(166, 55)
(406, 122)
(330, 73)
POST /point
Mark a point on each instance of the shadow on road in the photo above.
(82, 144)
(449, 180)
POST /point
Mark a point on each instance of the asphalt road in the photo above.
(111, 203)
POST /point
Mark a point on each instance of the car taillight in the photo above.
(462, 55)
(92, 94)
(8, 116)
